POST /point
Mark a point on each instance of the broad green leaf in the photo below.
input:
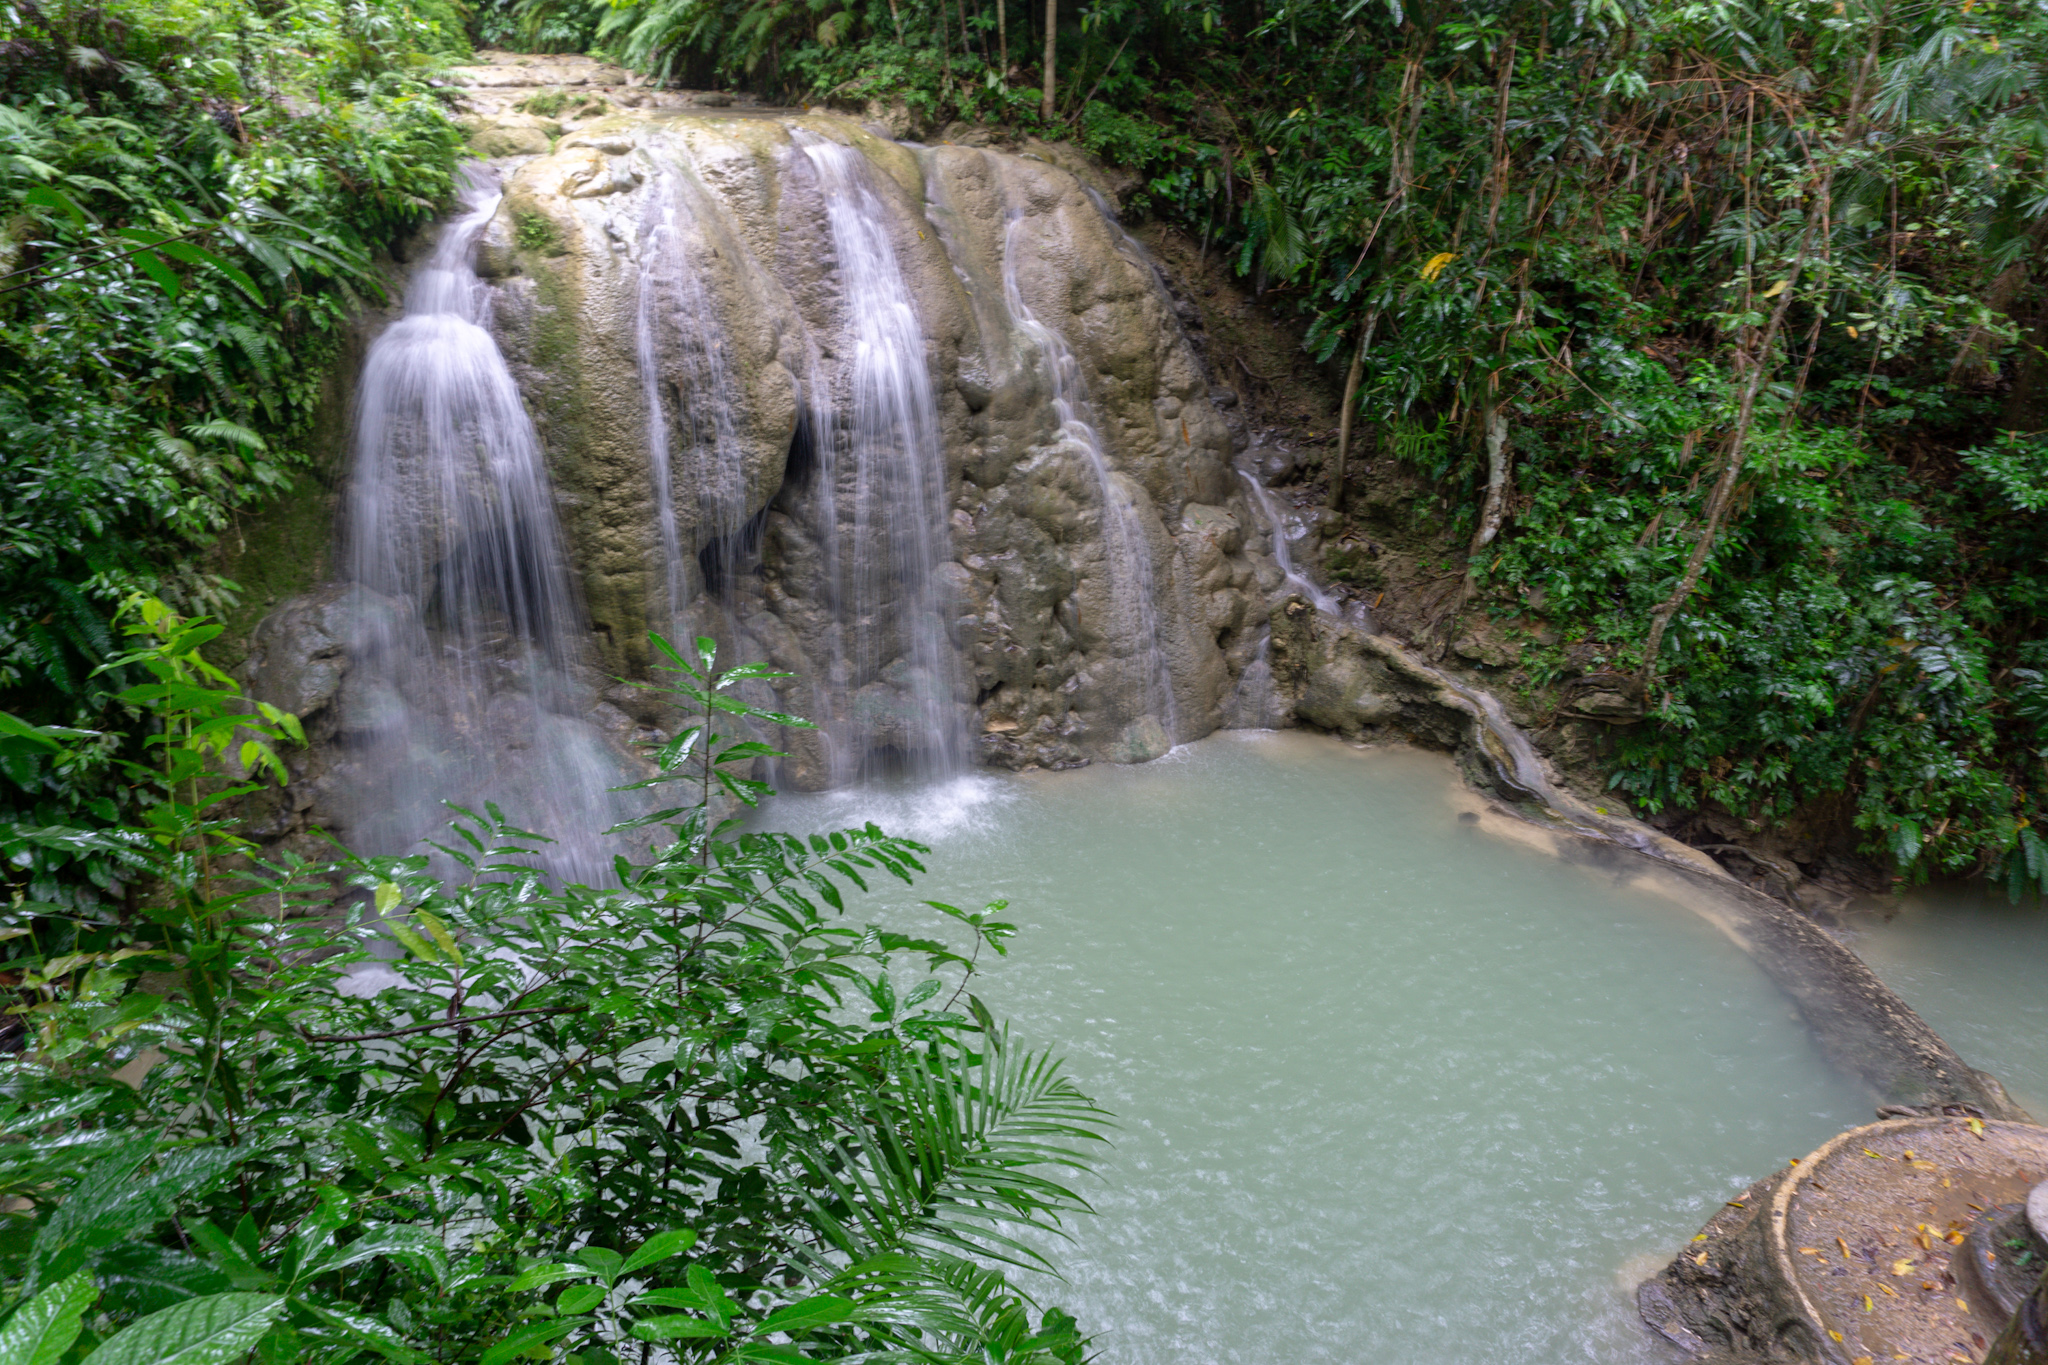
(152, 265)
(660, 1247)
(42, 1330)
(539, 1276)
(580, 1298)
(209, 1331)
(676, 1327)
(367, 1332)
(812, 1312)
(526, 1338)
(603, 1260)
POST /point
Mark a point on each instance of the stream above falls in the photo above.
(1392, 1087)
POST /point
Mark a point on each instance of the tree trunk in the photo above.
(1351, 379)
(1052, 33)
(1494, 418)
(897, 14)
(2025, 1339)
(1003, 40)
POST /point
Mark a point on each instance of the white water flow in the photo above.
(1287, 526)
(464, 685)
(686, 382)
(877, 432)
(1132, 632)
(1391, 1085)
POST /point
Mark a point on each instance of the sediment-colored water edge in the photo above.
(1391, 1087)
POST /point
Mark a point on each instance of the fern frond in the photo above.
(219, 429)
(949, 1158)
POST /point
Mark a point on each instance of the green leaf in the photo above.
(660, 1247)
(676, 1327)
(812, 1312)
(762, 1350)
(603, 1260)
(538, 1276)
(527, 1337)
(416, 1248)
(580, 1298)
(42, 196)
(208, 1331)
(367, 1332)
(42, 1330)
(193, 254)
(153, 266)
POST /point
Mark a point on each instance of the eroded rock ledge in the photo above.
(1856, 1254)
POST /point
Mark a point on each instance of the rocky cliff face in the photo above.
(690, 331)
(1028, 583)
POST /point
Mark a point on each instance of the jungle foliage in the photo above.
(190, 199)
(1711, 322)
(702, 1115)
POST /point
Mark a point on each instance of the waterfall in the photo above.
(464, 686)
(690, 433)
(1132, 632)
(877, 433)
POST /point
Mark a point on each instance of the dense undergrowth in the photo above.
(190, 199)
(1711, 323)
(701, 1116)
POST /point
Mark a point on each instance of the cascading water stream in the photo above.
(1133, 630)
(690, 433)
(879, 447)
(1287, 529)
(468, 622)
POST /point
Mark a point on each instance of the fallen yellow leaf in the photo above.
(1862, 1360)
(1872, 1155)
(1833, 1333)
(1977, 1127)
(1902, 1267)
(1867, 1304)
(1843, 1245)
(1809, 1251)
(1955, 1239)
(1964, 1306)
(1434, 266)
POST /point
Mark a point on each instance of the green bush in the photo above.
(193, 196)
(700, 1116)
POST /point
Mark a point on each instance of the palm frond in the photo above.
(950, 1156)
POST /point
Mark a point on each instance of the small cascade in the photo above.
(469, 630)
(1288, 526)
(687, 382)
(877, 435)
(1132, 634)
